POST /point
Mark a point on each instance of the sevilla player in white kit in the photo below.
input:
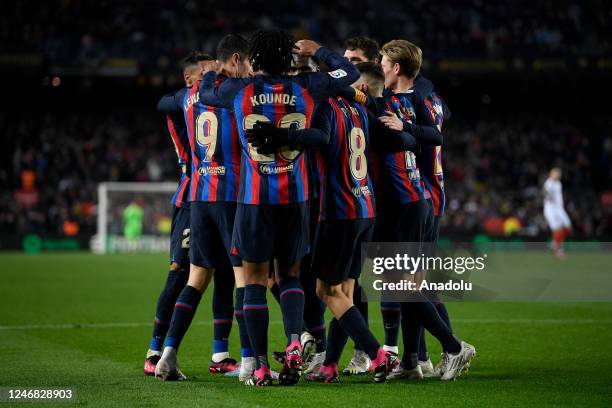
(555, 214)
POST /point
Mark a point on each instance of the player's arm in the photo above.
(221, 96)
(208, 80)
(325, 84)
(266, 138)
(356, 95)
(425, 133)
(384, 138)
(319, 131)
(170, 103)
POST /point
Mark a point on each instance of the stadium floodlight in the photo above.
(133, 217)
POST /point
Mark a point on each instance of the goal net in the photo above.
(133, 217)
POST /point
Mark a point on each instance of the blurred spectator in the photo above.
(85, 32)
(493, 169)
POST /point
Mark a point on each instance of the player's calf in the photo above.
(175, 282)
(256, 319)
(339, 300)
(223, 310)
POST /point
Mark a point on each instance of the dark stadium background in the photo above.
(527, 82)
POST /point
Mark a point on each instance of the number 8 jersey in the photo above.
(346, 188)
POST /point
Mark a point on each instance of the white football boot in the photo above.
(167, 368)
(454, 364)
(359, 364)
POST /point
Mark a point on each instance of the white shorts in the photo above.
(557, 218)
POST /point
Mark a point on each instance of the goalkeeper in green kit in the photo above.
(132, 221)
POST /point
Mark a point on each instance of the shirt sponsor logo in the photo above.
(271, 169)
(212, 170)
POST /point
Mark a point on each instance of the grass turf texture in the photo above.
(85, 321)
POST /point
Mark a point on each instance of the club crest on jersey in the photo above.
(339, 73)
(407, 113)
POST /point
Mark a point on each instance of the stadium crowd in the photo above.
(51, 178)
(79, 32)
(490, 170)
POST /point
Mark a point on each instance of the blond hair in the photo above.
(406, 54)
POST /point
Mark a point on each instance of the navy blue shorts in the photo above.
(266, 232)
(179, 237)
(404, 222)
(211, 229)
(337, 249)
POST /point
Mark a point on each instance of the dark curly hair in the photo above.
(271, 51)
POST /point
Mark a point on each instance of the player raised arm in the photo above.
(221, 96)
(322, 85)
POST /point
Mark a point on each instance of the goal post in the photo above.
(133, 217)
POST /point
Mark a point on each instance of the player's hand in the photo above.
(213, 65)
(266, 138)
(301, 60)
(306, 48)
(391, 121)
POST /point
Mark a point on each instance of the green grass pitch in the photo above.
(84, 321)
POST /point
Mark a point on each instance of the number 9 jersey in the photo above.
(215, 150)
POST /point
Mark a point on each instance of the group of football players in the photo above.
(292, 156)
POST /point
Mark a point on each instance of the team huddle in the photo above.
(292, 156)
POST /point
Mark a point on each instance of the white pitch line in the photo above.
(277, 322)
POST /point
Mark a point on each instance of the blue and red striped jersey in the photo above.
(400, 173)
(346, 189)
(215, 150)
(430, 157)
(282, 177)
(178, 134)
